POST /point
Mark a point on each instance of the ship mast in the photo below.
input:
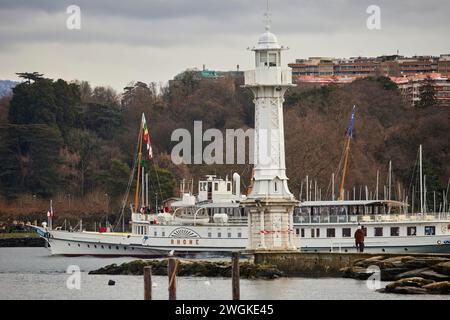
(346, 152)
(136, 195)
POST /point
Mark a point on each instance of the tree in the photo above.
(30, 76)
(427, 94)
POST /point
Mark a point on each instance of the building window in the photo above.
(430, 230)
(318, 233)
(229, 234)
(276, 187)
(395, 231)
(297, 231)
(272, 59)
(155, 233)
(228, 186)
(331, 233)
(209, 234)
(346, 232)
(411, 231)
(219, 235)
(216, 186)
(163, 234)
(312, 233)
(263, 58)
(378, 231)
(302, 233)
(239, 235)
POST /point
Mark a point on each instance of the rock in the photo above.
(411, 273)
(442, 287)
(422, 262)
(390, 274)
(407, 290)
(111, 282)
(359, 273)
(199, 268)
(433, 275)
(367, 262)
(408, 282)
(442, 267)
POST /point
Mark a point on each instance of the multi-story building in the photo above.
(444, 65)
(313, 66)
(411, 85)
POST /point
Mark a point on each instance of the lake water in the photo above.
(31, 273)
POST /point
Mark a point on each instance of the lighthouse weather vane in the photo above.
(267, 17)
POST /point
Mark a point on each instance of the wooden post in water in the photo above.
(148, 283)
(172, 273)
(235, 276)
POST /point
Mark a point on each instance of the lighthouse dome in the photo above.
(267, 40)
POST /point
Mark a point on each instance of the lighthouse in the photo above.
(270, 203)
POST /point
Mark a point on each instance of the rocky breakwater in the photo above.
(410, 274)
(197, 268)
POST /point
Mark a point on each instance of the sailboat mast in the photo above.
(136, 195)
(347, 148)
(421, 179)
(390, 180)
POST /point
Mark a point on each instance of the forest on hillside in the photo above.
(76, 144)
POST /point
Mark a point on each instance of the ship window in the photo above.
(68, 244)
(95, 246)
(78, 244)
(88, 246)
(239, 235)
(272, 59)
(378, 232)
(109, 247)
(411, 231)
(219, 235)
(430, 230)
(395, 231)
(117, 247)
(346, 232)
(331, 233)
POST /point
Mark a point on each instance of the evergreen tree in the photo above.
(427, 94)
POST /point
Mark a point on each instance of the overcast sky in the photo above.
(153, 40)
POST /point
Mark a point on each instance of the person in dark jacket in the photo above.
(359, 239)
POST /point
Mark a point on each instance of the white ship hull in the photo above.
(158, 240)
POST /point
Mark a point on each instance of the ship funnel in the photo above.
(237, 184)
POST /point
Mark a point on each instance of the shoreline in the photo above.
(18, 240)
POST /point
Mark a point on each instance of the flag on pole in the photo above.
(147, 138)
(352, 122)
(50, 212)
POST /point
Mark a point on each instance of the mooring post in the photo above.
(172, 273)
(235, 275)
(148, 283)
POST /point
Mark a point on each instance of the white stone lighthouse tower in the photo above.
(270, 202)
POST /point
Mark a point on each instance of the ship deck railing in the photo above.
(372, 218)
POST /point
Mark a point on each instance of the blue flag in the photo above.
(352, 122)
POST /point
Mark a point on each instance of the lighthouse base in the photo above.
(271, 224)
